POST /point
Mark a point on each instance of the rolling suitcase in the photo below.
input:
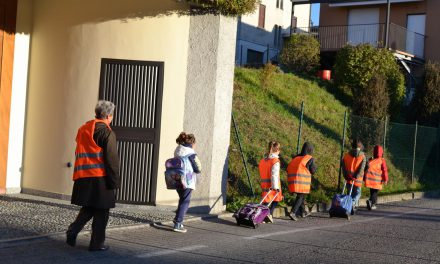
(254, 214)
(342, 204)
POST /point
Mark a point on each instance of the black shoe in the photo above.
(368, 204)
(70, 240)
(101, 248)
(293, 216)
(353, 211)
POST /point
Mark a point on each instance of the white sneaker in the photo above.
(269, 219)
(179, 228)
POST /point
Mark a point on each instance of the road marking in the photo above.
(171, 251)
(297, 230)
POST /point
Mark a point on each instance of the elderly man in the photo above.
(96, 176)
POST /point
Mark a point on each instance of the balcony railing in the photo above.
(335, 37)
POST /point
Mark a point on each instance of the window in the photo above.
(262, 16)
(280, 4)
(254, 58)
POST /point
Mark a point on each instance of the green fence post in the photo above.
(414, 155)
(385, 133)
(300, 128)
(242, 155)
(342, 150)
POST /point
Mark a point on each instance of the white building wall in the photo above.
(18, 99)
(251, 37)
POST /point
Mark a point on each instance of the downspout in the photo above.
(387, 23)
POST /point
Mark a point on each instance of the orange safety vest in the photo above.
(89, 157)
(373, 176)
(265, 168)
(299, 177)
(351, 165)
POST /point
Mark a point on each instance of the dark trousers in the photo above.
(298, 204)
(272, 207)
(99, 224)
(184, 199)
(373, 195)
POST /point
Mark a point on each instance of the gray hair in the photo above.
(103, 109)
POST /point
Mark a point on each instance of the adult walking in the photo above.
(353, 165)
(299, 179)
(375, 176)
(95, 176)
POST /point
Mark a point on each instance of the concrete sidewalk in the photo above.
(28, 217)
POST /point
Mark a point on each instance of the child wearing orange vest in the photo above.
(299, 178)
(376, 174)
(353, 165)
(269, 168)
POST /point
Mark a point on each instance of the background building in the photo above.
(260, 35)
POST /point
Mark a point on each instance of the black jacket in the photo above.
(100, 192)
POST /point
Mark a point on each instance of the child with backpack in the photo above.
(376, 174)
(185, 150)
(269, 169)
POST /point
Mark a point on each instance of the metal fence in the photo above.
(333, 38)
(412, 153)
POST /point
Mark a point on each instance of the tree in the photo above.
(356, 66)
(428, 96)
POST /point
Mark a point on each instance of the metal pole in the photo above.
(342, 150)
(267, 60)
(387, 25)
(241, 55)
(414, 155)
(291, 19)
(385, 133)
(242, 155)
(300, 128)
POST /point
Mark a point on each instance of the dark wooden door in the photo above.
(135, 87)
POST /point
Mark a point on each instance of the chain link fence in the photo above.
(412, 153)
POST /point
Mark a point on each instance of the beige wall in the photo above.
(69, 39)
(399, 12)
(339, 15)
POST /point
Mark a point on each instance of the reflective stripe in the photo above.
(266, 180)
(89, 166)
(299, 182)
(299, 175)
(373, 179)
(375, 173)
(89, 155)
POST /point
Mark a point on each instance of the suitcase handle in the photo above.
(351, 189)
(267, 194)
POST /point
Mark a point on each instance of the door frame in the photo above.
(7, 61)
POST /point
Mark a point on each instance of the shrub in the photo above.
(300, 54)
(228, 7)
(356, 66)
(267, 74)
(428, 96)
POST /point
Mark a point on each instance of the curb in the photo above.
(117, 227)
(324, 207)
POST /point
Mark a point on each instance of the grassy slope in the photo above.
(273, 114)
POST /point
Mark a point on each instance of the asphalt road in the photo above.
(404, 232)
